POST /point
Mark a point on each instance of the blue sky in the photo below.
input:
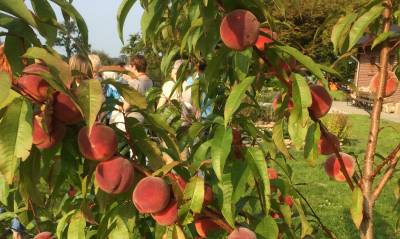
(100, 16)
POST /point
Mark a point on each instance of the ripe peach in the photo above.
(204, 226)
(272, 174)
(32, 84)
(44, 235)
(168, 215)
(65, 109)
(288, 200)
(262, 40)
(321, 101)
(208, 195)
(239, 29)
(115, 175)
(236, 137)
(46, 140)
(179, 180)
(328, 143)
(151, 195)
(332, 167)
(391, 84)
(242, 233)
(100, 145)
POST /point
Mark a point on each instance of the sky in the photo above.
(101, 18)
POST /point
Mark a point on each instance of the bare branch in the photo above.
(386, 177)
(389, 158)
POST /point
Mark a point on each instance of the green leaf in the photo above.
(311, 144)
(340, 30)
(240, 176)
(306, 228)
(277, 136)
(267, 228)
(76, 228)
(194, 194)
(119, 229)
(57, 66)
(235, 98)
(383, 37)
(12, 95)
(303, 59)
(166, 61)
(48, 20)
(19, 28)
(123, 11)
(228, 209)
(5, 86)
(19, 9)
(220, 149)
(90, 99)
(199, 156)
(80, 22)
(14, 48)
(242, 60)
(356, 210)
(62, 223)
(15, 137)
(362, 23)
(255, 157)
(4, 190)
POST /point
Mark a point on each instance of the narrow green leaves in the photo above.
(311, 146)
(235, 98)
(123, 11)
(383, 37)
(5, 86)
(362, 23)
(194, 194)
(356, 210)
(277, 136)
(228, 210)
(90, 98)
(19, 9)
(76, 228)
(340, 31)
(220, 149)
(15, 137)
(267, 228)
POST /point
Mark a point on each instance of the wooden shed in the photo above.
(367, 67)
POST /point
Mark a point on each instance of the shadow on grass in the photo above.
(382, 229)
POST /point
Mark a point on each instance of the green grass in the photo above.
(338, 95)
(332, 200)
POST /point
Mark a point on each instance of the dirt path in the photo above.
(346, 108)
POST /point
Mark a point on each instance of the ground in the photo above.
(331, 200)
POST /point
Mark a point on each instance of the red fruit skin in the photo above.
(71, 191)
(179, 180)
(204, 226)
(44, 235)
(278, 101)
(115, 175)
(272, 174)
(242, 233)
(168, 216)
(321, 101)
(44, 140)
(239, 29)
(327, 144)
(100, 145)
(262, 40)
(391, 84)
(288, 200)
(32, 84)
(65, 110)
(332, 167)
(151, 195)
(208, 195)
(236, 137)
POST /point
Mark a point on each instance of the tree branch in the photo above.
(386, 177)
(389, 158)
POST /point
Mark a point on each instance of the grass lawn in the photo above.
(331, 200)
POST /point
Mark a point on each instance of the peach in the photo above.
(242, 233)
(208, 195)
(44, 235)
(151, 195)
(332, 167)
(321, 101)
(328, 143)
(179, 180)
(65, 109)
(236, 137)
(204, 226)
(239, 29)
(272, 174)
(100, 145)
(32, 84)
(262, 40)
(288, 200)
(168, 215)
(391, 84)
(115, 175)
(46, 140)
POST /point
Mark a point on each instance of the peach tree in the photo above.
(66, 173)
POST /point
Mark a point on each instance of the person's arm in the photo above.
(166, 92)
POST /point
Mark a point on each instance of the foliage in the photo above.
(105, 59)
(70, 39)
(339, 124)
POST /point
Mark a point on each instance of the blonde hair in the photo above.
(96, 62)
(81, 65)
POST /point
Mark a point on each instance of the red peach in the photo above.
(272, 174)
(168, 215)
(288, 200)
(151, 195)
(208, 195)
(65, 109)
(179, 180)
(32, 84)
(236, 137)
(46, 140)
(321, 101)
(44, 235)
(115, 175)
(328, 143)
(100, 145)
(204, 226)
(391, 84)
(242, 233)
(239, 29)
(332, 167)
(262, 40)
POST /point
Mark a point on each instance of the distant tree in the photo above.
(136, 45)
(70, 38)
(105, 58)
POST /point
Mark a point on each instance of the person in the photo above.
(81, 68)
(96, 65)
